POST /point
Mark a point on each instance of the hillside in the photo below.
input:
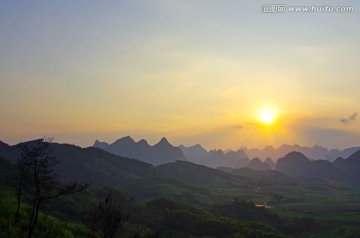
(158, 217)
(271, 175)
(209, 202)
(181, 180)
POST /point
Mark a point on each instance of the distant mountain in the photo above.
(215, 158)
(270, 163)
(101, 145)
(350, 166)
(194, 153)
(257, 164)
(294, 164)
(298, 165)
(161, 153)
(352, 162)
(344, 153)
(338, 161)
(314, 153)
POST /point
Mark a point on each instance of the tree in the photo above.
(38, 160)
(107, 217)
(23, 166)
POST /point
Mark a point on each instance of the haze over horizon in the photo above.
(219, 74)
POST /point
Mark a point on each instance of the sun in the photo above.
(267, 116)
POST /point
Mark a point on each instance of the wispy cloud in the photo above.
(238, 126)
(350, 119)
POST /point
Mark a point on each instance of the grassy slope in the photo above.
(48, 226)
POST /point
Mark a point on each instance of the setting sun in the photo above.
(267, 116)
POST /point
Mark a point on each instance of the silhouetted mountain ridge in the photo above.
(270, 163)
(215, 158)
(160, 153)
(257, 164)
(315, 152)
(298, 165)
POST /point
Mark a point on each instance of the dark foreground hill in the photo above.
(73, 216)
(164, 217)
(181, 180)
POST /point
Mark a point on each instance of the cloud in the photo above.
(351, 118)
(239, 127)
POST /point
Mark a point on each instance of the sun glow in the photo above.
(267, 116)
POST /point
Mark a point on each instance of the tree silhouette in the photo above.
(23, 166)
(38, 160)
(107, 217)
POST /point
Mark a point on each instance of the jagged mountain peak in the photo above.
(256, 160)
(163, 141)
(269, 147)
(268, 159)
(270, 163)
(160, 153)
(197, 146)
(100, 144)
(257, 164)
(143, 142)
(126, 139)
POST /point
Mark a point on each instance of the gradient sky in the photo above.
(195, 71)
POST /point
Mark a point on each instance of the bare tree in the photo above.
(38, 160)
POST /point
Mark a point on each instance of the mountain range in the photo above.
(160, 153)
(260, 159)
(186, 181)
(296, 179)
(104, 167)
(215, 158)
(314, 153)
(298, 165)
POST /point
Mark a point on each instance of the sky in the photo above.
(193, 71)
